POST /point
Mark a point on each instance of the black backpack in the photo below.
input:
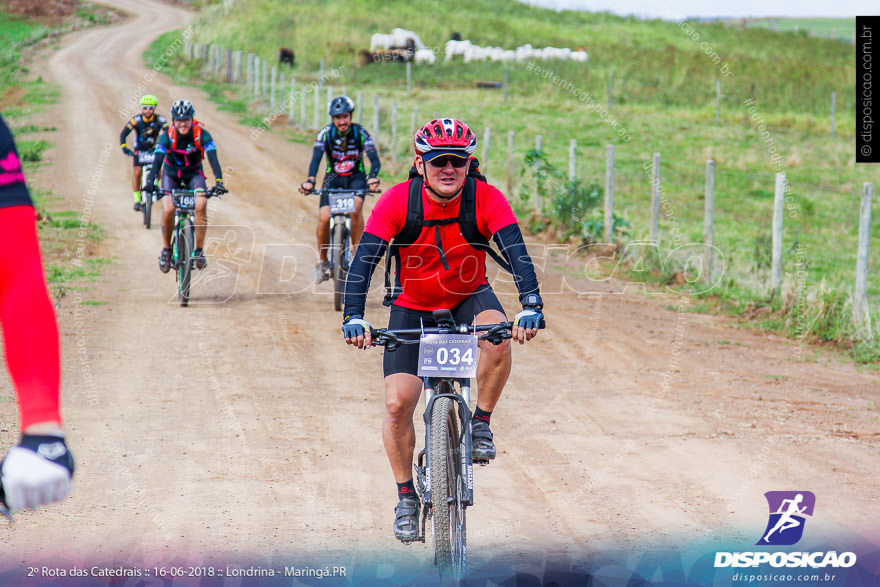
(415, 222)
(358, 138)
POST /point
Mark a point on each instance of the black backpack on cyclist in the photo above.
(331, 130)
(415, 222)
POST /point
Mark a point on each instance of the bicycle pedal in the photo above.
(481, 462)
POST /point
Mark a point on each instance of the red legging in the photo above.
(30, 333)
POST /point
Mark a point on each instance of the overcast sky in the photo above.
(683, 8)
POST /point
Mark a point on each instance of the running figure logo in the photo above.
(787, 511)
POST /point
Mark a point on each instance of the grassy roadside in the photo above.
(820, 232)
(23, 99)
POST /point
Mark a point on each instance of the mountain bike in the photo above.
(183, 238)
(444, 471)
(341, 207)
(146, 159)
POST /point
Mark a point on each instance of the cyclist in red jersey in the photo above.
(440, 269)
(39, 469)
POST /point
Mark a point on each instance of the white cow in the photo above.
(398, 38)
(454, 48)
(381, 41)
(524, 52)
(472, 52)
(425, 55)
(401, 36)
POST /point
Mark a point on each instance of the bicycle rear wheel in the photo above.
(447, 489)
(184, 266)
(340, 267)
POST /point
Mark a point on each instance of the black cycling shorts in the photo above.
(179, 180)
(354, 181)
(406, 358)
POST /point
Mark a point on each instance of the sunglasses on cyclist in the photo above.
(441, 161)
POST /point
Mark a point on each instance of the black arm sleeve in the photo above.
(317, 153)
(510, 242)
(123, 136)
(367, 256)
(375, 165)
(156, 169)
(215, 164)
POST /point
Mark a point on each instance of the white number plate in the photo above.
(187, 202)
(145, 156)
(447, 355)
(341, 203)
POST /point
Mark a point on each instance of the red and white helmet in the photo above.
(446, 136)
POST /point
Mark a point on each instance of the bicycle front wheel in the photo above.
(146, 198)
(147, 209)
(447, 490)
(184, 260)
(340, 268)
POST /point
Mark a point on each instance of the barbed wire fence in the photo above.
(643, 190)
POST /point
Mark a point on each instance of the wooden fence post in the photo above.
(375, 128)
(302, 107)
(414, 124)
(610, 88)
(487, 135)
(257, 71)
(778, 215)
(861, 315)
(572, 160)
(655, 199)
(317, 112)
(291, 99)
(609, 193)
(708, 218)
(538, 147)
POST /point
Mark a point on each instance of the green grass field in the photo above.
(16, 33)
(829, 28)
(664, 101)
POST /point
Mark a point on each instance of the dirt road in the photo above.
(243, 427)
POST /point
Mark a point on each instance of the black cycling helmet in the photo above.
(182, 109)
(340, 105)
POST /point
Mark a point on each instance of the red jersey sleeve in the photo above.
(493, 210)
(389, 214)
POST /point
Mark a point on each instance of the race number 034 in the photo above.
(447, 354)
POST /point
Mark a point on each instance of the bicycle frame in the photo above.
(340, 255)
(183, 222)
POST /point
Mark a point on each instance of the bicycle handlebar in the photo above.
(391, 339)
(209, 193)
(359, 192)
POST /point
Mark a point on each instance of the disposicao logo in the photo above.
(787, 510)
(784, 528)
